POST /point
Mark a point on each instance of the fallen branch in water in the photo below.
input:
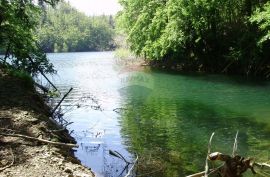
(12, 162)
(209, 151)
(43, 88)
(54, 109)
(235, 145)
(130, 170)
(40, 140)
(118, 155)
(234, 165)
(262, 165)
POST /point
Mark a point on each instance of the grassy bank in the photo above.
(22, 111)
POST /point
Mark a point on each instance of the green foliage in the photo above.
(64, 29)
(21, 74)
(53, 94)
(262, 19)
(18, 21)
(201, 35)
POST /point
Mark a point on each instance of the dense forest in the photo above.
(229, 36)
(65, 29)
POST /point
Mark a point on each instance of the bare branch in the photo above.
(209, 151)
(130, 170)
(235, 145)
(40, 140)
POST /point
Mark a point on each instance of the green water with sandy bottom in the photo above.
(168, 119)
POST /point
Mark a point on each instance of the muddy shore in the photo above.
(22, 111)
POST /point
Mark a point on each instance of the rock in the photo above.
(67, 170)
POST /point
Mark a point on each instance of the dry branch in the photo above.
(235, 145)
(262, 165)
(209, 150)
(54, 109)
(41, 72)
(44, 89)
(40, 140)
(130, 170)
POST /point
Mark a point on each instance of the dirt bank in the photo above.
(22, 111)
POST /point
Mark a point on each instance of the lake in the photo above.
(165, 118)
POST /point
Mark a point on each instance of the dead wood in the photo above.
(41, 72)
(234, 165)
(130, 170)
(44, 89)
(40, 140)
(54, 109)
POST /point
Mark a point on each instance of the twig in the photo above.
(209, 151)
(41, 72)
(262, 165)
(118, 155)
(68, 123)
(130, 170)
(235, 145)
(54, 109)
(227, 66)
(44, 89)
(210, 142)
(12, 162)
(40, 140)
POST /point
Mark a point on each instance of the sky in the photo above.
(96, 7)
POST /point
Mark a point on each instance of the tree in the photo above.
(198, 35)
(64, 29)
(18, 22)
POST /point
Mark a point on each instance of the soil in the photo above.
(23, 111)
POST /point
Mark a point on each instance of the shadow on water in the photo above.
(218, 78)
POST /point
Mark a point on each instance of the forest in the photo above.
(65, 29)
(28, 30)
(229, 36)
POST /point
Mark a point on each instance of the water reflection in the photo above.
(90, 106)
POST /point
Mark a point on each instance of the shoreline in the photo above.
(24, 112)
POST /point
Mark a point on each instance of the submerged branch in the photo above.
(235, 145)
(209, 151)
(132, 167)
(54, 109)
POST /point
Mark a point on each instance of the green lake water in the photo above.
(165, 118)
(169, 118)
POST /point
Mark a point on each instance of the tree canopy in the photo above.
(65, 29)
(202, 35)
(18, 22)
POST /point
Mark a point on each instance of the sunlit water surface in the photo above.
(165, 118)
